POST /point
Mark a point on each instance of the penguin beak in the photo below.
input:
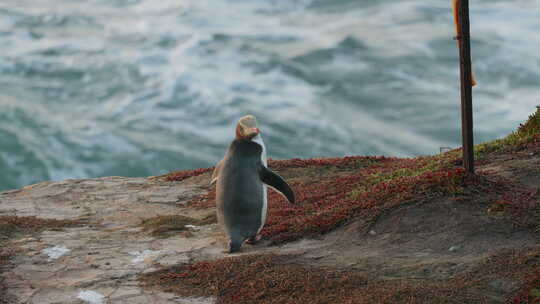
(252, 132)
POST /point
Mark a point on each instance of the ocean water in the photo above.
(94, 88)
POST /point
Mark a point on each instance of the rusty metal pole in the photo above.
(466, 86)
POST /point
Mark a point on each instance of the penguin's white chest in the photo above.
(258, 139)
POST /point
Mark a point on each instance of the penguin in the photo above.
(241, 179)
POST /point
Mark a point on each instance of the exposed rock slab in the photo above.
(98, 263)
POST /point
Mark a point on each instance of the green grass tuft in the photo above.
(526, 133)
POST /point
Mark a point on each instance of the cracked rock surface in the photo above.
(99, 261)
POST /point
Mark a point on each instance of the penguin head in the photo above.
(247, 128)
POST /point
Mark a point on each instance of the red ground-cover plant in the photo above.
(179, 176)
(519, 203)
(372, 186)
(346, 162)
(257, 279)
(338, 162)
(280, 279)
(11, 223)
(366, 194)
(368, 187)
(530, 293)
(367, 191)
(203, 201)
(516, 267)
(288, 279)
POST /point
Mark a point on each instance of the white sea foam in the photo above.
(140, 87)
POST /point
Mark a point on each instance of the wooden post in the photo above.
(467, 81)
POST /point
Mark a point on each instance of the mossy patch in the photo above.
(11, 225)
(164, 226)
(533, 293)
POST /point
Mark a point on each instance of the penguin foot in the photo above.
(253, 239)
(234, 247)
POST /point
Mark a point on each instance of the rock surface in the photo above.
(99, 262)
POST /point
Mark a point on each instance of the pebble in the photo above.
(91, 297)
(454, 248)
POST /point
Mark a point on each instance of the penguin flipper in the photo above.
(275, 181)
(215, 174)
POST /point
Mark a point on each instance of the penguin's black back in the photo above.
(240, 190)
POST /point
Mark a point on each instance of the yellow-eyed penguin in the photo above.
(241, 193)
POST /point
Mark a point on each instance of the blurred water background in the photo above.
(141, 87)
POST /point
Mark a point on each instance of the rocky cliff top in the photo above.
(365, 230)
